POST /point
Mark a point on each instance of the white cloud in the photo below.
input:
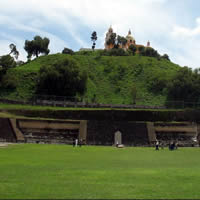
(4, 47)
(186, 44)
(8, 39)
(129, 13)
(148, 19)
(184, 32)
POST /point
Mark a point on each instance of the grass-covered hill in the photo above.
(111, 79)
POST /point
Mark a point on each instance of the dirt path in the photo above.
(4, 144)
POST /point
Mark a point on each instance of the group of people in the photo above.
(173, 145)
(77, 142)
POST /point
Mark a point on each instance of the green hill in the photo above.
(111, 79)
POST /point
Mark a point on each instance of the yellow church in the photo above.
(130, 41)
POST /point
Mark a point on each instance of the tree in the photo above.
(94, 39)
(133, 49)
(67, 51)
(157, 81)
(9, 81)
(14, 51)
(165, 56)
(37, 46)
(151, 52)
(185, 86)
(148, 51)
(121, 40)
(117, 52)
(7, 61)
(62, 78)
(141, 50)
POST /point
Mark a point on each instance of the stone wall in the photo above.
(6, 132)
(102, 132)
(49, 131)
(185, 133)
(98, 131)
(115, 115)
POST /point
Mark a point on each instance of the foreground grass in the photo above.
(60, 171)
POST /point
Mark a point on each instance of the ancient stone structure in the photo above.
(130, 41)
(118, 138)
(99, 132)
(102, 132)
(186, 133)
(7, 133)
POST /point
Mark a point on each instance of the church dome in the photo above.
(129, 37)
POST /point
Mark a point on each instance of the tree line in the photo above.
(61, 78)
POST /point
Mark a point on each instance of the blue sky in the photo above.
(172, 26)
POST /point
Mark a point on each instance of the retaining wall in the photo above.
(97, 131)
(102, 132)
(6, 132)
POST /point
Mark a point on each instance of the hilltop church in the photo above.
(130, 41)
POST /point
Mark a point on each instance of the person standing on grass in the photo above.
(157, 145)
(171, 146)
(176, 145)
(76, 142)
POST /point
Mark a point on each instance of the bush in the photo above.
(9, 81)
(114, 52)
(62, 78)
(185, 86)
(141, 50)
(67, 51)
(165, 56)
(148, 51)
(132, 49)
(7, 61)
(85, 53)
(158, 83)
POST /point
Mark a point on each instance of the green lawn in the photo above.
(60, 171)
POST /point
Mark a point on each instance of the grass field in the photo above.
(29, 171)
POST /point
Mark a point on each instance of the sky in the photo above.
(172, 26)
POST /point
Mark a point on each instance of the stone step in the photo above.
(19, 134)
